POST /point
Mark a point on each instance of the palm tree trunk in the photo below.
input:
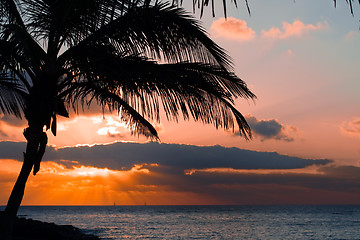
(34, 151)
(15, 199)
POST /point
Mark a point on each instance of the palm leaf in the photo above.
(26, 51)
(159, 32)
(12, 96)
(201, 91)
(86, 92)
(69, 21)
(10, 12)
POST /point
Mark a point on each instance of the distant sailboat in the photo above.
(114, 203)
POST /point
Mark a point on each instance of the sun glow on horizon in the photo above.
(56, 184)
(70, 183)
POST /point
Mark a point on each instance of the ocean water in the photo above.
(205, 222)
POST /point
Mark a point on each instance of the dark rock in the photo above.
(29, 229)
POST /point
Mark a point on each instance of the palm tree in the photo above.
(134, 57)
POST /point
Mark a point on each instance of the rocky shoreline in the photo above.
(29, 229)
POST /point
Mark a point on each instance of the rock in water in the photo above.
(29, 229)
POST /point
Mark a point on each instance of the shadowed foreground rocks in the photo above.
(28, 229)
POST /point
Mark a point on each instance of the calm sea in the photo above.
(206, 222)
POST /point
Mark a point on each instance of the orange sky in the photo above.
(300, 59)
(79, 185)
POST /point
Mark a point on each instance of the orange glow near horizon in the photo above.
(56, 184)
(82, 185)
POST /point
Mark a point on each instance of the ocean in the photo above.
(205, 222)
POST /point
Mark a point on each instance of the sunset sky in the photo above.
(301, 59)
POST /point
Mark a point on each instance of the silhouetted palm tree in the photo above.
(133, 57)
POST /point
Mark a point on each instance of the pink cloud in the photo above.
(351, 128)
(232, 28)
(297, 28)
(352, 35)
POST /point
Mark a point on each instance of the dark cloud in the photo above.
(180, 157)
(344, 178)
(271, 129)
(12, 150)
(122, 156)
(332, 185)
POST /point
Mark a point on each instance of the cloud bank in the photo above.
(132, 173)
(123, 156)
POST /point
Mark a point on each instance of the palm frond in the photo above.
(26, 51)
(159, 32)
(13, 61)
(12, 96)
(203, 91)
(197, 4)
(57, 22)
(10, 12)
(350, 2)
(85, 92)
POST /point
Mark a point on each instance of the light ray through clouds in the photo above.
(119, 172)
(130, 183)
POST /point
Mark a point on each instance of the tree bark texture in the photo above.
(36, 144)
